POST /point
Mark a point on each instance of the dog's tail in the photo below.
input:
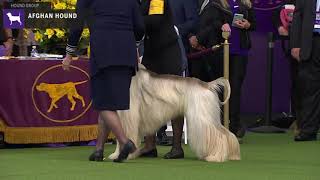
(217, 84)
(81, 82)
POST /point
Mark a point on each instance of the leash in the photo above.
(204, 52)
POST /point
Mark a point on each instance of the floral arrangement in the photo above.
(55, 40)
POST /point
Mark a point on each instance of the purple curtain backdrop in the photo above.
(254, 87)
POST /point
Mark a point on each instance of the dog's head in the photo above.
(42, 87)
(9, 14)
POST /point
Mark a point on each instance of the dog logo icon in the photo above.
(58, 91)
(63, 98)
(13, 18)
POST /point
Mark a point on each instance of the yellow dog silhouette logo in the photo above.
(58, 91)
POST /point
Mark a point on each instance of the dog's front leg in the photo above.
(116, 152)
(135, 154)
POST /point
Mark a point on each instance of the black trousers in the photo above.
(293, 66)
(308, 86)
(207, 68)
(293, 76)
(238, 70)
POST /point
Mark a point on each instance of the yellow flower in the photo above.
(72, 2)
(49, 33)
(60, 5)
(38, 36)
(59, 33)
(26, 33)
(85, 33)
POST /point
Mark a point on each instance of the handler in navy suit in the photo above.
(114, 28)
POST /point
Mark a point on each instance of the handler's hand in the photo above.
(66, 62)
(282, 31)
(295, 52)
(193, 41)
(226, 28)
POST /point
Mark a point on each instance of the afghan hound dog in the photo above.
(156, 99)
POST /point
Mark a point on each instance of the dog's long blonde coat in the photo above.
(156, 99)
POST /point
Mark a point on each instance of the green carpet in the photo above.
(264, 157)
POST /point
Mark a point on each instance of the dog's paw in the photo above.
(234, 158)
(113, 156)
(215, 159)
(133, 155)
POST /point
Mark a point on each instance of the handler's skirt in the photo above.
(110, 88)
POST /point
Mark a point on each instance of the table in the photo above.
(41, 103)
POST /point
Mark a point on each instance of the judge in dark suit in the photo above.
(162, 53)
(114, 28)
(305, 43)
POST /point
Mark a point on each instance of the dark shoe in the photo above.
(305, 137)
(128, 148)
(238, 131)
(96, 156)
(151, 154)
(174, 154)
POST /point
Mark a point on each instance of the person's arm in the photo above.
(276, 18)
(252, 19)
(138, 24)
(217, 18)
(276, 21)
(9, 42)
(82, 9)
(191, 14)
(296, 29)
(248, 24)
(296, 26)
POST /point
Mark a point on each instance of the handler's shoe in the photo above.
(96, 156)
(174, 154)
(238, 131)
(128, 148)
(150, 154)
